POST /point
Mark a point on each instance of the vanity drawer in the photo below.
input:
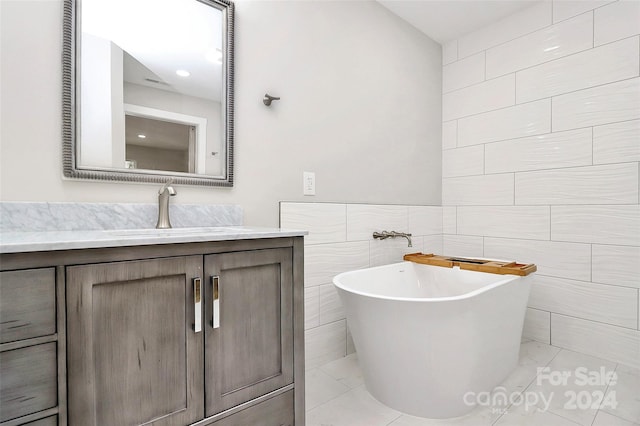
(27, 304)
(29, 380)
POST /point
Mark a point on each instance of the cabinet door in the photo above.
(251, 352)
(133, 357)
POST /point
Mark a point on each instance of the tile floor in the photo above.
(336, 395)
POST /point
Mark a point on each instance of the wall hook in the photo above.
(268, 98)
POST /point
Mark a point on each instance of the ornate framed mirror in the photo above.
(148, 91)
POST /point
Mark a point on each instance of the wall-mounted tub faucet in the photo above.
(163, 205)
(393, 234)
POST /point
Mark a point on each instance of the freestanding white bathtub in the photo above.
(427, 335)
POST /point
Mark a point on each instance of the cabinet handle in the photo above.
(215, 283)
(197, 304)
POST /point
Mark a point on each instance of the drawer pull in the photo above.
(215, 283)
(197, 304)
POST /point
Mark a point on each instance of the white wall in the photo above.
(102, 96)
(541, 151)
(360, 107)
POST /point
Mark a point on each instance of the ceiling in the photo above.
(446, 20)
(161, 37)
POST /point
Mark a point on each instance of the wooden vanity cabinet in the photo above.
(249, 352)
(134, 354)
(133, 357)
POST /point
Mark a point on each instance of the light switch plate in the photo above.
(308, 183)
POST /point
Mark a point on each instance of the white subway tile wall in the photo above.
(449, 134)
(556, 259)
(450, 52)
(616, 21)
(567, 9)
(586, 300)
(550, 43)
(618, 225)
(617, 265)
(462, 245)
(609, 184)
(533, 118)
(492, 94)
(463, 162)
(537, 326)
(570, 142)
(528, 222)
(598, 105)
(449, 224)
(617, 142)
(340, 240)
(619, 344)
(549, 151)
(605, 64)
(463, 73)
(471, 190)
(527, 21)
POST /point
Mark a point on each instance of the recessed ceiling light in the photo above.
(183, 73)
(141, 136)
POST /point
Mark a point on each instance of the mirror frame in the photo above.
(70, 110)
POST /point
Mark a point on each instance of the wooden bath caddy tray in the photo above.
(480, 265)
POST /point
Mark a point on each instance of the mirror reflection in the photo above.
(151, 89)
(159, 145)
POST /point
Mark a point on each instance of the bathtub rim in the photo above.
(507, 279)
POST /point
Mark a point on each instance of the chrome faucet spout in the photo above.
(393, 234)
(168, 188)
(163, 204)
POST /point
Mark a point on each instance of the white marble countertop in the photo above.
(21, 242)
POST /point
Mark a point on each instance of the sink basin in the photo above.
(152, 232)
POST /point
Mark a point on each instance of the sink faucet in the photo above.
(163, 205)
(393, 234)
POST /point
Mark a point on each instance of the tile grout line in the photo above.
(319, 369)
(394, 420)
(551, 169)
(527, 386)
(530, 67)
(592, 156)
(335, 397)
(621, 418)
(550, 318)
(549, 133)
(485, 65)
(491, 46)
(604, 395)
(514, 190)
(564, 418)
(623, 327)
(593, 28)
(591, 262)
(550, 222)
(550, 97)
